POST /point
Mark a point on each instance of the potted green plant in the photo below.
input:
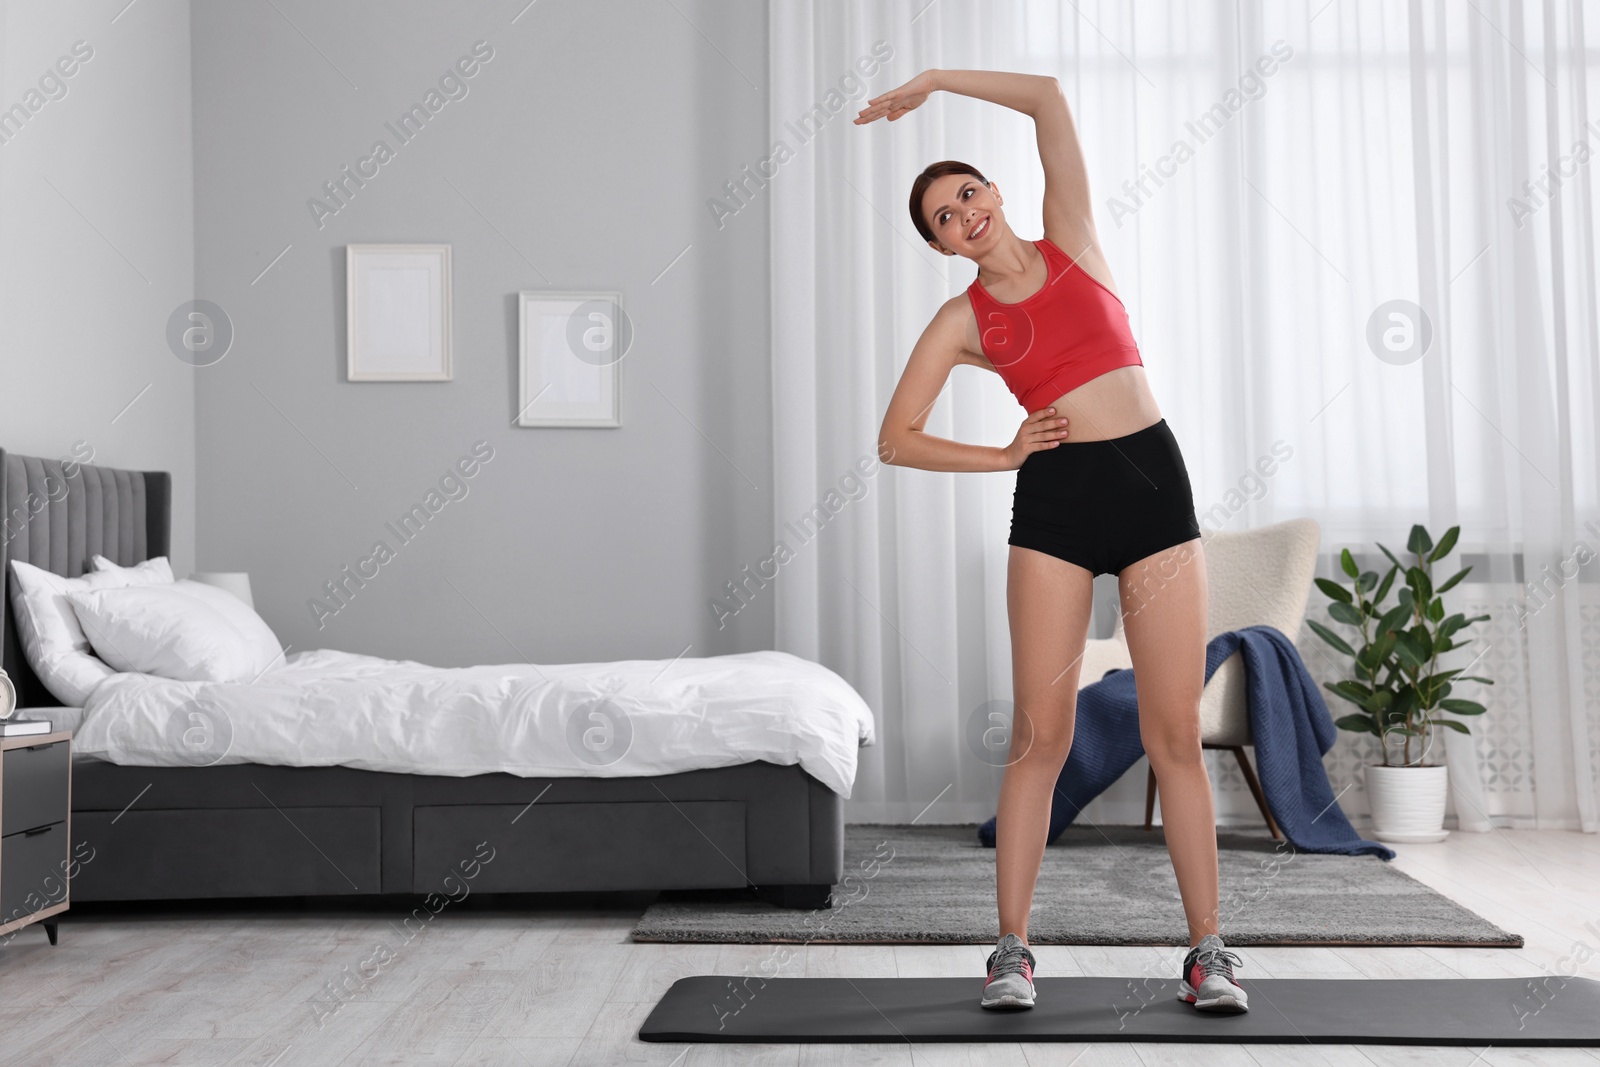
(1399, 690)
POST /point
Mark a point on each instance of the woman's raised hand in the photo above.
(896, 102)
(1038, 431)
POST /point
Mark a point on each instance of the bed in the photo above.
(266, 829)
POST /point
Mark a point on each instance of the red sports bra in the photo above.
(1070, 331)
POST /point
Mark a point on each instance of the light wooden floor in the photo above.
(566, 987)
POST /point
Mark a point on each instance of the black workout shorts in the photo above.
(1105, 505)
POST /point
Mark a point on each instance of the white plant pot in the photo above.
(1407, 803)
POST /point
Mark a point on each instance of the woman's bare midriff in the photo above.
(1115, 404)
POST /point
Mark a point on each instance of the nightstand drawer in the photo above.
(33, 870)
(35, 787)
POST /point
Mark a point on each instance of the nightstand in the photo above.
(35, 830)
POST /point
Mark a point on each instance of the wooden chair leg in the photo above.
(1150, 800)
(1255, 790)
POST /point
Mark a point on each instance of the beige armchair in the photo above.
(1254, 577)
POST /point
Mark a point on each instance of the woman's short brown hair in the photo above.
(919, 188)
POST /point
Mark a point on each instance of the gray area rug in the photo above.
(1108, 885)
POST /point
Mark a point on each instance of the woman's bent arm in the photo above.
(902, 441)
(927, 452)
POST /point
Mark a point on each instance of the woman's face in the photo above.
(964, 215)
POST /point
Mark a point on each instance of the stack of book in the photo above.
(23, 727)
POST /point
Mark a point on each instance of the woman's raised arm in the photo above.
(1068, 217)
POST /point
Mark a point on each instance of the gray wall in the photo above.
(582, 157)
(97, 238)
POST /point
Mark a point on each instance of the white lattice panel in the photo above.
(1589, 616)
(1504, 733)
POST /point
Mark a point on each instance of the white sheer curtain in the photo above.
(1267, 179)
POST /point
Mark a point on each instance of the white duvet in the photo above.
(620, 718)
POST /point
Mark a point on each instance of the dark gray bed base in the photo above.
(251, 830)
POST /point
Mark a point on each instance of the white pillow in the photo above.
(156, 569)
(187, 631)
(55, 645)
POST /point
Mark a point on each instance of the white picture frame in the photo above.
(555, 385)
(397, 313)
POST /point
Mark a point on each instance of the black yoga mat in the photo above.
(1546, 1009)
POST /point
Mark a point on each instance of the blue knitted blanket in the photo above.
(1289, 722)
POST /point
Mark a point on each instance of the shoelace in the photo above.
(1009, 960)
(1218, 961)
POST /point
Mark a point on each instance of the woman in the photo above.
(1114, 499)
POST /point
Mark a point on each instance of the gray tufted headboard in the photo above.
(58, 513)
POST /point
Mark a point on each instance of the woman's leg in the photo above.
(1048, 602)
(1164, 619)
